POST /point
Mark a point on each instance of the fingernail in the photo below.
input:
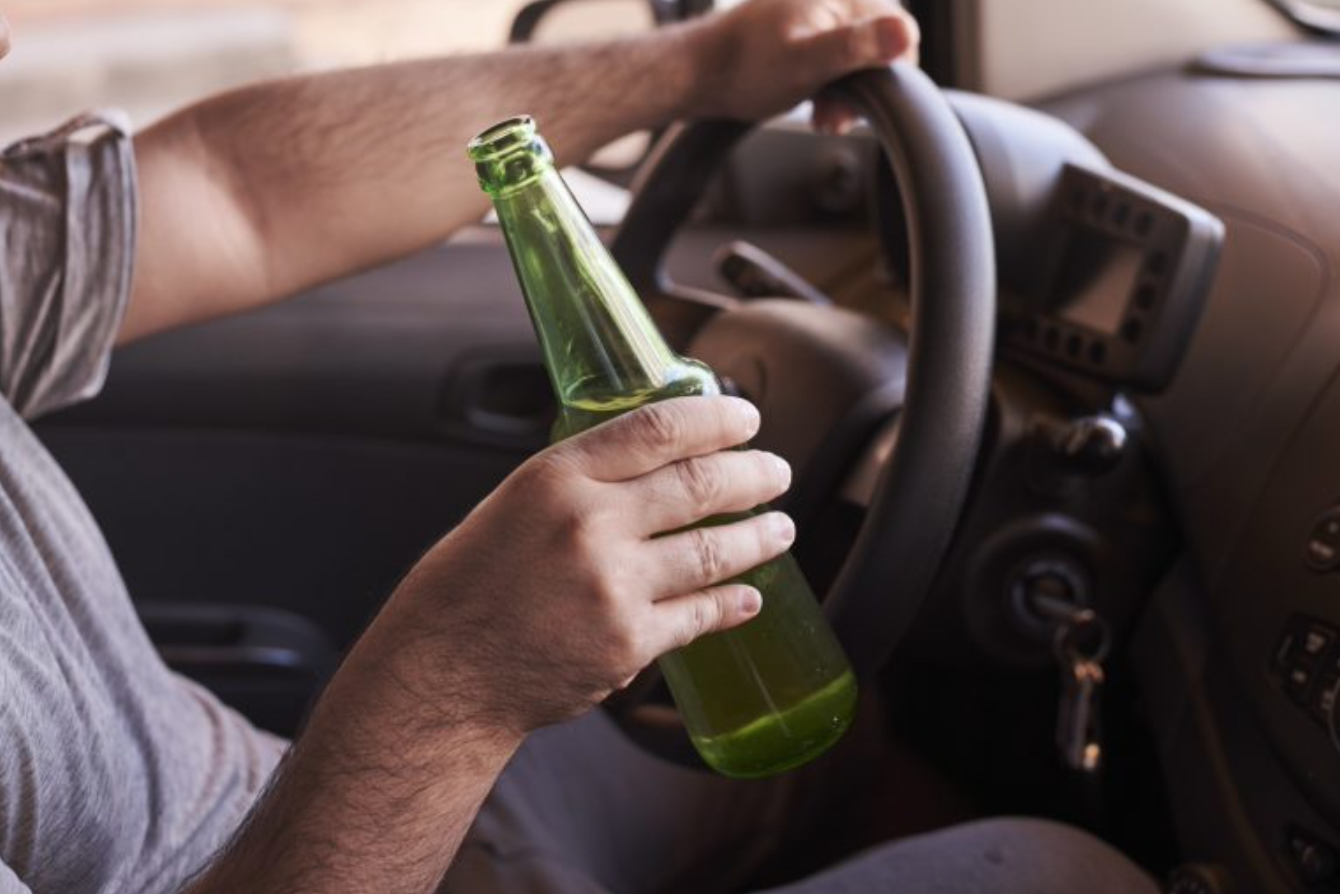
(751, 601)
(783, 469)
(784, 527)
(749, 416)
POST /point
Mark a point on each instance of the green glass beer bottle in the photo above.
(757, 700)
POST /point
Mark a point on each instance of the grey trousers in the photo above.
(580, 810)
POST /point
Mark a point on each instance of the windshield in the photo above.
(149, 56)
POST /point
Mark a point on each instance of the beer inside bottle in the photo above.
(775, 692)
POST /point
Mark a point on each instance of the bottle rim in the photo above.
(508, 135)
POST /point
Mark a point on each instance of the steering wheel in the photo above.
(951, 259)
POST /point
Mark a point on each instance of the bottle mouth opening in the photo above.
(517, 132)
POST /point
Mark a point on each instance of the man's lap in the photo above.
(996, 856)
(582, 795)
(581, 810)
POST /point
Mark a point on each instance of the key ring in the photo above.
(1085, 637)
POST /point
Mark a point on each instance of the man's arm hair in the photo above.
(380, 789)
(258, 193)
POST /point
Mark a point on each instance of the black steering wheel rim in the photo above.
(921, 493)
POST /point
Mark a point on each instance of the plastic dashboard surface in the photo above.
(1120, 284)
(1278, 604)
(1248, 434)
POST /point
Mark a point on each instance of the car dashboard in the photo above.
(1248, 436)
(1175, 270)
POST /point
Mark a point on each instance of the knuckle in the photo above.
(709, 614)
(659, 427)
(701, 481)
(625, 651)
(545, 476)
(844, 47)
(585, 537)
(627, 646)
(851, 47)
(605, 590)
(703, 619)
(708, 554)
(697, 624)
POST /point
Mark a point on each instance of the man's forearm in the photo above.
(259, 193)
(310, 178)
(375, 159)
(381, 788)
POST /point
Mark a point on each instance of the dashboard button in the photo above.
(1313, 859)
(1323, 703)
(1297, 680)
(1199, 879)
(1323, 544)
(1317, 638)
(1286, 650)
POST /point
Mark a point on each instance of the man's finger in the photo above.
(700, 558)
(683, 619)
(691, 490)
(833, 116)
(662, 433)
(866, 44)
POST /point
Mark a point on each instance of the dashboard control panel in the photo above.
(1118, 291)
(1322, 552)
(1313, 860)
(1306, 663)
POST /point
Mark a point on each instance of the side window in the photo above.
(571, 21)
(1322, 15)
(149, 56)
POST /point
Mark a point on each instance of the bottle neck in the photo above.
(601, 348)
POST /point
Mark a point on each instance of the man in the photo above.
(117, 776)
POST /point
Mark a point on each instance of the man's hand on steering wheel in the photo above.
(763, 57)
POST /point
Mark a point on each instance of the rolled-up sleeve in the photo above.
(9, 882)
(67, 250)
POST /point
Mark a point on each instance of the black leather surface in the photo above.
(953, 278)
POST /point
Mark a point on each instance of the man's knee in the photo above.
(996, 856)
(1047, 856)
(1035, 856)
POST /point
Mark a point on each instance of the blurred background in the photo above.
(149, 56)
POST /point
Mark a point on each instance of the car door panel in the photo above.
(302, 457)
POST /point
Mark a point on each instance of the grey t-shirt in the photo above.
(116, 775)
